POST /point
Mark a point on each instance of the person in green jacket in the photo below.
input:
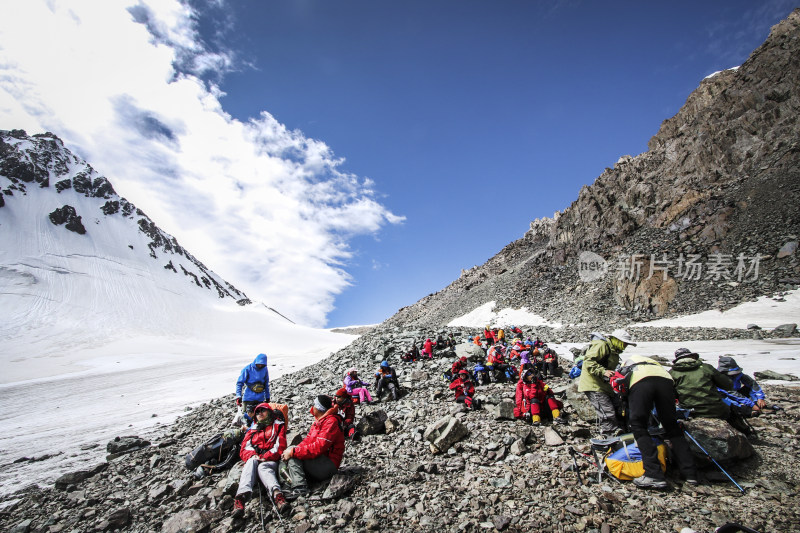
(696, 383)
(601, 359)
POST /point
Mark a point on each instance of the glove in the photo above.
(238, 402)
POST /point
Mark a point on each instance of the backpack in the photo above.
(625, 462)
(621, 380)
(218, 453)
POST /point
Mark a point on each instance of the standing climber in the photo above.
(601, 359)
(252, 387)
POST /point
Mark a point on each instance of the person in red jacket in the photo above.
(532, 394)
(427, 348)
(261, 450)
(458, 366)
(465, 390)
(319, 455)
(347, 411)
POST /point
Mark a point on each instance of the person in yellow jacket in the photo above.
(650, 385)
(599, 363)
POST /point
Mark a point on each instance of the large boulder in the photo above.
(580, 403)
(445, 432)
(504, 410)
(718, 438)
(373, 423)
(472, 352)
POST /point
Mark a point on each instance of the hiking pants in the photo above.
(606, 407)
(267, 472)
(362, 393)
(550, 367)
(534, 405)
(466, 400)
(318, 469)
(659, 392)
(387, 384)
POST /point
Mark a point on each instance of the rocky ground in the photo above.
(503, 475)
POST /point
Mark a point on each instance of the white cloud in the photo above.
(265, 207)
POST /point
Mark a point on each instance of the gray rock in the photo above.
(125, 445)
(786, 330)
(787, 249)
(719, 439)
(769, 374)
(73, 478)
(373, 423)
(118, 519)
(551, 437)
(580, 403)
(191, 520)
(504, 410)
(340, 485)
(445, 432)
(22, 527)
(518, 447)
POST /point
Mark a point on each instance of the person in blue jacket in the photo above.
(252, 387)
(748, 396)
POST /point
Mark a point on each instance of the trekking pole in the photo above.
(712, 459)
(261, 508)
(275, 509)
(571, 451)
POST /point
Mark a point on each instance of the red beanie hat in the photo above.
(342, 392)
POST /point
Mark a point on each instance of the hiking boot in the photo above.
(238, 507)
(692, 481)
(560, 420)
(536, 420)
(527, 418)
(645, 482)
(280, 503)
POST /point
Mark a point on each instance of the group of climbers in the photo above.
(647, 388)
(639, 392)
(533, 397)
(264, 447)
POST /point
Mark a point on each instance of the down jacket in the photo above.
(268, 443)
(325, 437)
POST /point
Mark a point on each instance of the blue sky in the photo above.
(458, 122)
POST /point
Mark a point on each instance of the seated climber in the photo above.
(532, 396)
(450, 341)
(427, 348)
(412, 354)
(465, 390)
(440, 343)
(386, 378)
(261, 450)
(319, 455)
(347, 412)
(748, 391)
(500, 368)
(459, 365)
(550, 365)
(355, 386)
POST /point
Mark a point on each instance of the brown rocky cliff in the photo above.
(721, 176)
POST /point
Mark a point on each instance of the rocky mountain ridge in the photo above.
(716, 193)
